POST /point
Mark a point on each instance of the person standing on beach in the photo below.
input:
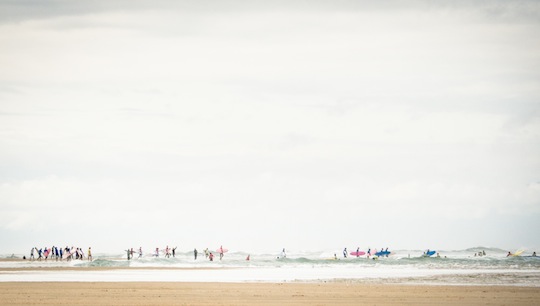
(89, 253)
(32, 254)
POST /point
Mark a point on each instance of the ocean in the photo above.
(456, 267)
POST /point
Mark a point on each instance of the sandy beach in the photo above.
(173, 293)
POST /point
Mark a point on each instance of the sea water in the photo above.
(401, 267)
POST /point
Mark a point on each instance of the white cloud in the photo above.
(188, 116)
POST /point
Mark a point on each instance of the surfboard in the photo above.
(224, 250)
(518, 253)
(358, 253)
(430, 253)
(382, 253)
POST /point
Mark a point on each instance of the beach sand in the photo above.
(172, 293)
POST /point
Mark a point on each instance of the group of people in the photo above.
(56, 253)
(168, 252)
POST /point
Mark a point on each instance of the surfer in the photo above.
(195, 253)
(335, 256)
(174, 252)
(345, 253)
(89, 253)
(220, 252)
(167, 252)
(534, 254)
(157, 252)
(140, 252)
(368, 252)
(211, 256)
(32, 254)
(128, 254)
(357, 251)
(283, 254)
(247, 258)
(206, 253)
(509, 254)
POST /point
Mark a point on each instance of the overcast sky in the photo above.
(299, 124)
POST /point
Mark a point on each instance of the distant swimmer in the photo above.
(438, 255)
(89, 254)
(483, 253)
(345, 253)
(534, 254)
(247, 258)
(195, 253)
(509, 254)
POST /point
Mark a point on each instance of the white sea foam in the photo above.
(453, 267)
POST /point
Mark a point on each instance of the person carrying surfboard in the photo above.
(221, 252)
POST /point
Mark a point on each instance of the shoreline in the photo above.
(206, 293)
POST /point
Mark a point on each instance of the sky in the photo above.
(254, 125)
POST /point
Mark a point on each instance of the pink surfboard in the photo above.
(358, 253)
(224, 250)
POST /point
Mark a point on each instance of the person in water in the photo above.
(211, 256)
(357, 251)
(89, 253)
(247, 258)
(283, 254)
(534, 254)
(509, 254)
(195, 253)
(221, 252)
(345, 253)
(140, 252)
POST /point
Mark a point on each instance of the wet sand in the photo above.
(179, 293)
